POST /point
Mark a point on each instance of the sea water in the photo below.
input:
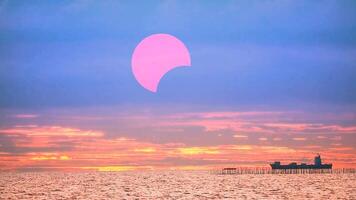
(174, 185)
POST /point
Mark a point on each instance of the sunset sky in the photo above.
(269, 80)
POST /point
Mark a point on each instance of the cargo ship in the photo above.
(317, 165)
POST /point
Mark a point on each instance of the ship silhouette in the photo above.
(317, 165)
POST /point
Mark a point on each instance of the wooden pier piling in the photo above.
(263, 170)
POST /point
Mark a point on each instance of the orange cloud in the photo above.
(240, 136)
(41, 158)
(254, 144)
(299, 138)
(50, 131)
(146, 150)
(197, 150)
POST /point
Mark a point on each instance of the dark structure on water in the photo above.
(293, 168)
(317, 165)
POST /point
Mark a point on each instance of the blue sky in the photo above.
(77, 53)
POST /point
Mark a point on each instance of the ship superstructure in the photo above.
(317, 165)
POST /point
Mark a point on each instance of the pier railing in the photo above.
(261, 170)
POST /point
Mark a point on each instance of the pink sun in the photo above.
(155, 56)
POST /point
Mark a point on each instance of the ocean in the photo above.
(174, 185)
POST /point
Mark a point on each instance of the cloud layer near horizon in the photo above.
(175, 140)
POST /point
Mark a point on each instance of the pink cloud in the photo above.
(34, 130)
(256, 138)
(25, 116)
(262, 122)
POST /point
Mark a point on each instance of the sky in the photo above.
(269, 80)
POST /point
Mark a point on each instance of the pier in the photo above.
(292, 168)
(265, 170)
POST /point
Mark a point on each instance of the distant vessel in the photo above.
(317, 165)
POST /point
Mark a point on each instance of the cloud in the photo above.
(146, 150)
(25, 116)
(342, 148)
(262, 139)
(43, 131)
(240, 136)
(48, 156)
(299, 138)
(134, 141)
(258, 122)
(197, 150)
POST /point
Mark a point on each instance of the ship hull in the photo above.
(323, 166)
